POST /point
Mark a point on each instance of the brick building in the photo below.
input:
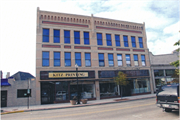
(99, 46)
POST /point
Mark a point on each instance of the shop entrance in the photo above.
(3, 98)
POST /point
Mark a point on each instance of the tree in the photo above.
(176, 64)
(121, 80)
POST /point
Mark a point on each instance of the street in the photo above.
(131, 110)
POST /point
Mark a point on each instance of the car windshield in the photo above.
(168, 90)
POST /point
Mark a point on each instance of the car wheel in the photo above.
(167, 110)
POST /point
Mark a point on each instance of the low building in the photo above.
(162, 71)
(14, 90)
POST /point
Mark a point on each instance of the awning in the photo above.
(4, 82)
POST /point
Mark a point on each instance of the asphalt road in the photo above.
(132, 110)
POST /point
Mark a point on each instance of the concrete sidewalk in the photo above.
(8, 110)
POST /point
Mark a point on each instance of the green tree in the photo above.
(176, 64)
(121, 80)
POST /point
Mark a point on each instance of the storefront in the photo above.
(61, 86)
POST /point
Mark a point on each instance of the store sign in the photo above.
(67, 74)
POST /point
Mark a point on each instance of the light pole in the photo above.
(77, 84)
(29, 91)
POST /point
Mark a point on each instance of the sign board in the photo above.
(67, 74)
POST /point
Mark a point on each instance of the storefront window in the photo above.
(158, 73)
(108, 89)
(160, 82)
(140, 85)
(61, 90)
(169, 72)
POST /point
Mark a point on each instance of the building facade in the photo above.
(14, 90)
(162, 71)
(100, 47)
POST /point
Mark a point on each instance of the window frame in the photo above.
(128, 60)
(108, 40)
(57, 59)
(44, 58)
(76, 37)
(136, 60)
(140, 42)
(67, 59)
(117, 40)
(99, 40)
(67, 39)
(45, 36)
(119, 60)
(78, 60)
(143, 60)
(133, 41)
(56, 38)
(87, 59)
(111, 59)
(86, 38)
(126, 44)
(101, 60)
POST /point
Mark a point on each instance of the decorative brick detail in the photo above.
(81, 47)
(103, 48)
(68, 24)
(122, 49)
(116, 29)
(67, 46)
(137, 50)
(52, 46)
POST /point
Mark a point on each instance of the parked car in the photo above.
(167, 97)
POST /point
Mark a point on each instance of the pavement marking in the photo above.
(76, 114)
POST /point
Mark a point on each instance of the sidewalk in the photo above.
(8, 110)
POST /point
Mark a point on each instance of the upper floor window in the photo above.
(169, 72)
(140, 42)
(143, 60)
(136, 60)
(45, 35)
(45, 58)
(119, 59)
(133, 40)
(128, 60)
(76, 37)
(101, 60)
(56, 36)
(117, 39)
(56, 58)
(78, 59)
(66, 36)
(87, 59)
(99, 38)
(125, 41)
(111, 60)
(108, 40)
(86, 38)
(158, 73)
(67, 56)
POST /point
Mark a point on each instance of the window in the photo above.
(66, 36)
(110, 59)
(67, 59)
(56, 36)
(45, 58)
(117, 39)
(158, 73)
(125, 41)
(86, 38)
(136, 60)
(87, 59)
(21, 93)
(133, 40)
(128, 60)
(101, 60)
(108, 39)
(56, 58)
(169, 72)
(143, 60)
(45, 35)
(76, 37)
(140, 42)
(99, 39)
(119, 59)
(78, 59)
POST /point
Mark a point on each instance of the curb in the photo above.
(82, 105)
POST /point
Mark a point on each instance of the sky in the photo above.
(18, 25)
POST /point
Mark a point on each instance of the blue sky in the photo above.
(18, 25)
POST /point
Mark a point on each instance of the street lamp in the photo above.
(28, 91)
(77, 84)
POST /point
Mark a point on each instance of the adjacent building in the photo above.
(162, 71)
(100, 47)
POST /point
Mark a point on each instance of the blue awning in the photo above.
(4, 82)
